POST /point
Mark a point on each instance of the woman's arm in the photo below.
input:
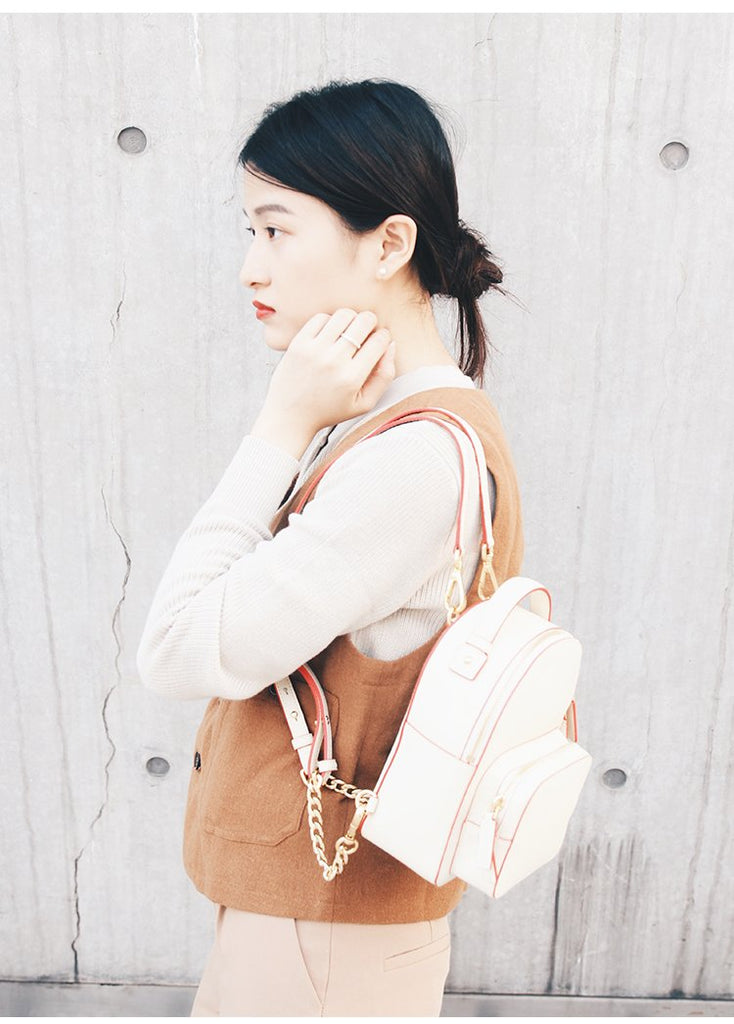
(238, 609)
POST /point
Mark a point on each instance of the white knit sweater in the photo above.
(370, 556)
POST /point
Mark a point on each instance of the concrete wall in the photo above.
(597, 158)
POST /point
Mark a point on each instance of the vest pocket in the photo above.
(253, 792)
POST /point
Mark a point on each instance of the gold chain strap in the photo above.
(346, 844)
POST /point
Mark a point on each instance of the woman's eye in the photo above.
(271, 231)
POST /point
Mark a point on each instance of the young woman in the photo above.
(350, 194)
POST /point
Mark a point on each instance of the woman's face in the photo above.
(301, 260)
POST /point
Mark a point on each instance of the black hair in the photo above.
(370, 149)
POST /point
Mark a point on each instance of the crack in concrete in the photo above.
(114, 321)
(115, 318)
(113, 748)
(488, 37)
(198, 48)
(550, 984)
(74, 941)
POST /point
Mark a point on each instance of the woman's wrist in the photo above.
(293, 437)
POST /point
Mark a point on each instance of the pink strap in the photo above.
(298, 726)
(425, 412)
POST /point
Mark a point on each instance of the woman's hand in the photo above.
(324, 379)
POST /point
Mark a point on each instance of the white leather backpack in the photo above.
(485, 771)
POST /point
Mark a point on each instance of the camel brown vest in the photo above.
(246, 836)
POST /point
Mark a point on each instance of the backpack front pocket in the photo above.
(520, 815)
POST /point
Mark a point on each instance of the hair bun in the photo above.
(474, 269)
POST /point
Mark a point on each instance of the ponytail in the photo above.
(472, 274)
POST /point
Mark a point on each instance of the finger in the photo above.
(338, 322)
(314, 324)
(371, 351)
(357, 331)
(378, 378)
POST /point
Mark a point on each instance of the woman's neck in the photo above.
(412, 325)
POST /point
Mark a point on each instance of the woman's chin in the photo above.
(274, 338)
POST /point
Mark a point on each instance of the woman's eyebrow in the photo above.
(270, 208)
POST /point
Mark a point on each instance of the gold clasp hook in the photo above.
(364, 799)
(487, 570)
(456, 582)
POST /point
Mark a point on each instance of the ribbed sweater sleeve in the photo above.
(238, 608)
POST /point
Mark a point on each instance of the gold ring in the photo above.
(357, 344)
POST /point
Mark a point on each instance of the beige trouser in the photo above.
(262, 966)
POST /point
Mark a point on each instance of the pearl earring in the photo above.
(382, 271)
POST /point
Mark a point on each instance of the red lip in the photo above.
(262, 311)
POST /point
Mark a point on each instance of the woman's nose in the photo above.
(253, 272)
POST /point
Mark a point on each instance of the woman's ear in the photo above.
(397, 236)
